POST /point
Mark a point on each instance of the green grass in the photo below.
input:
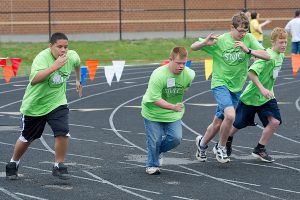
(132, 51)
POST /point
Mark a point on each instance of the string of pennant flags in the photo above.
(116, 69)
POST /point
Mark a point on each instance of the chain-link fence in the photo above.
(118, 19)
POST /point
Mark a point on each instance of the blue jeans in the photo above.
(224, 98)
(296, 47)
(161, 137)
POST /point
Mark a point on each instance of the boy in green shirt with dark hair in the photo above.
(231, 54)
(45, 101)
(258, 97)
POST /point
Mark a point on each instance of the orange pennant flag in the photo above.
(7, 72)
(295, 63)
(165, 62)
(2, 62)
(92, 67)
(15, 62)
(208, 63)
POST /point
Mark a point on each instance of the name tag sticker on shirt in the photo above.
(171, 82)
(275, 72)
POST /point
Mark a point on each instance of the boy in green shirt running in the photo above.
(45, 101)
(231, 54)
(258, 97)
(162, 107)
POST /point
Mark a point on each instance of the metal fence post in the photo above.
(49, 18)
(184, 17)
(120, 18)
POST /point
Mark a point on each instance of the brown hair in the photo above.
(278, 33)
(240, 19)
(181, 51)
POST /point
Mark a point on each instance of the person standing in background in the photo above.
(256, 27)
(293, 27)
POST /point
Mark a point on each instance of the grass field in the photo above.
(132, 51)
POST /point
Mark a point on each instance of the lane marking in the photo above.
(123, 145)
(12, 195)
(230, 183)
(291, 191)
(178, 197)
(85, 126)
(115, 186)
(30, 196)
(89, 109)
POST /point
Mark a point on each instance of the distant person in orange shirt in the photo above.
(256, 27)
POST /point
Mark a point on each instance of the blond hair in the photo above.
(278, 33)
(181, 51)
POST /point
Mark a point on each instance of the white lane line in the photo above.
(73, 138)
(245, 183)
(297, 104)
(111, 122)
(82, 125)
(115, 186)
(123, 145)
(202, 104)
(281, 136)
(262, 165)
(12, 195)
(291, 191)
(46, 150)
(46, 145)
(178, 197)
(230, 183)
(293, 168)
(89, 109)
(29, 196)
(133, 106)
(109, 129)
(142, 190)
(10, 113)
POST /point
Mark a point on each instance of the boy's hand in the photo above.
(211, 39)
(267, 93)
(79, 88)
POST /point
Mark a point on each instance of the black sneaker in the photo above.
(12, 171)
(61, 171)
(229, 147)
(262, 155)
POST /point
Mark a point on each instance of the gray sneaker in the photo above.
(262, 155)
(61, 172)
(153, 170)
(201, 151)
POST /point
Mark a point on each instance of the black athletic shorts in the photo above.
(58, 120)
(245, 114)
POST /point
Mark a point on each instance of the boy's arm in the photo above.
(262, 54)
(166, 105)
(265, 92)
(208, 41)
(78, 81)
(43, 74)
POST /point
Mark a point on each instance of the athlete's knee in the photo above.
(274, 123)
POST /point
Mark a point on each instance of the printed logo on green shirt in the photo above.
(173, 91)
(234, 56)
(57, 79)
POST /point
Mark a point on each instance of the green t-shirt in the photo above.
(267, 72)
(168, 86)
(230, 64)
(47, 95)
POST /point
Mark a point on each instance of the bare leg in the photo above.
(20, 149)
(211, 131)
(61, 147)
(269, 130)
(229, 116)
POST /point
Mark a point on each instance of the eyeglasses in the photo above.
(241, 31)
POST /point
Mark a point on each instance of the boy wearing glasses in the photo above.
(231, 54)
(162, 107)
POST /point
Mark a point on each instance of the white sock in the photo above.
(56, 164)
(221, 147)
(15, 161)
